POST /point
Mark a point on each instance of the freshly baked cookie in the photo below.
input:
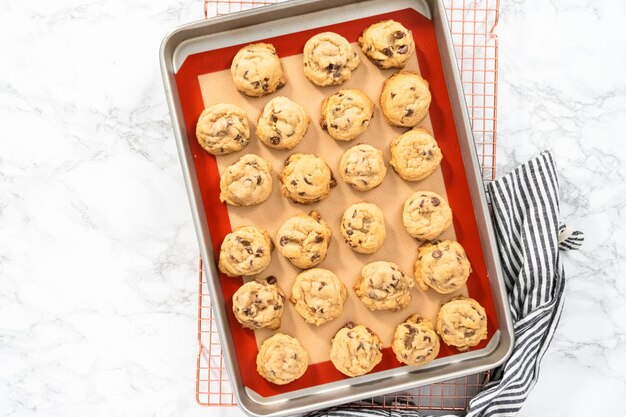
(247, 181)
(346, 114)
(318, 296)
(282, 124)
(222, 129)
(245, 251)
(388, 44)
(462, 323)
(306, 179)
(355, 350)
(382, 286)
(256, 70)
(415, 342)
(304, 240)
(363, 167)
(329, 59)
(415, 155)
(281, 359)
(426, 215)
(442, 266)
(363, 227)
(405, 99)
(259, 304)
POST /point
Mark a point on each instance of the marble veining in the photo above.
(97, 249)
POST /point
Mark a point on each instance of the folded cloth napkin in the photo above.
(525, 206)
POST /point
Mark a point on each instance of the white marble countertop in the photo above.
(97, 249)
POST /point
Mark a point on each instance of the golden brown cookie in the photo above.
(329, 59)
(363, 227)
(442, 266)
(415, 155)
(405, 99)
(306, 179)
(415, 342)
(247, 181)
(259, 304)
(256, 70)
(282, 359)
(462, 322)
(222, 129)
(282, 124)
(383, 286)
(245, 251)
(387, 44)
(346, 114)
(304, 240)
(363, 167)
(318, 296)
(426, 215)
(355, 350)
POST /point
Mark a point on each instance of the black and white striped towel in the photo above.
(525, 206)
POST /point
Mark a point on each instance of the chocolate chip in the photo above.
(294, 183)
(274, 119)
(258, 180)
(256, 84)
(409, 112)
(301, 193)
(427, 339)
(360, 346)
(408, 342)
(277, 307)
(412, 330)
(421, 203)
(336, 74)
(245, 75)
(280, 84)
(284, 240)
(324, 125)
(403, 49)
(349, 325)
(266, 86)
(435, 201)
(244, 242)
(319, 239)
(334, 126)
(249, 250)
(307, 181)
(247, 311)
(271, 279)
(388, 52)
(349, 232)
(436, 254)
(469, 333)
(398, 34)
(393, 95)
(337, 108)
(322, 285)
(315, 257)
(274, 140)
(351, 335)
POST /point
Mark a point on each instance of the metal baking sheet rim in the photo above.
(193, 38)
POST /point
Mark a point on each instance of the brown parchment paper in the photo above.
(399, 246)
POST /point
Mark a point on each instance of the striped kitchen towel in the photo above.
(525, 205)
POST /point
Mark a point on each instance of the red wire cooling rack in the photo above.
(472, 24)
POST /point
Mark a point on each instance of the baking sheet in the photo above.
(216, 86)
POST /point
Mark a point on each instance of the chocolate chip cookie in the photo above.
(318, 296)
(245, 251)
(387, 44)
(282, 359)
(415, 155)
(442, 266)
(355, 350)
(222, 129)
(282, 124)
(405, 99)
(382, 286)
(426, 215)
(247, 181)
(306, 179)
(415, 342)
(462, 322)
(363, 227)
(329, 59)
(363, 167)
(259, 304)
(304, 240)
(256, 70)
(346, 114)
